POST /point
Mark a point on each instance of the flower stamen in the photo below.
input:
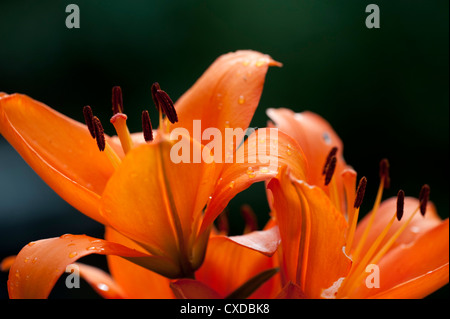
(384, 182)
(117, 100)
(89, 119)
(328, 172)
(163, 103)
(102, 144)
(358, 201)
(119, 120)
(358, 266)
(147, 126)
(358, 274)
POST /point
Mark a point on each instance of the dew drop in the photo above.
(227, 124)
(264, 169)
(288, 151)
(260, 63)
(250, 172)
(27, 259)
(241, 99)
(31, 243)
(231, 185)
(34, 260)
(326, 137)
(245, 62)
(103, 287)
(73, 254)
(91, 248)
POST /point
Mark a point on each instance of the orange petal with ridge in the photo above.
(316, 137)
(137, 282)
(257, 159)
(150, 194)
(418, 225)
(193, 289)
(39, 264)
(228, 265)
(312, 234)
(227, 94)
(59, 149)
(101, 282)
(420, 264)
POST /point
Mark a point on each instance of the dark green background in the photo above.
(385, 91)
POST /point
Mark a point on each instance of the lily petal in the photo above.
(316, 137)
(39, 264)
(408, 264)
(418, 225)
(419, 287)
(59, 149)
(137, 282)
(227, 94)
(257, 159)
(228, 265)
(312, 235)
(150, 197)
(193, 289)
(264, 241)
(291, 291)
(101, 282)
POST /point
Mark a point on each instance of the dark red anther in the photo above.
(147, 126)
(99, 134)
(117, 100)
(330, 170)
(89, 119)
(423, 198)
(384, 172)
(154, 89)
(361, 190)
(400, 204)
(166, 105)
(327, 162)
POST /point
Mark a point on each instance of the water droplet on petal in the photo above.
(27, 259)
(231, 185)
(250, 172)
(103, 287)
(241, 99)
(31, 243)
(227, 124)
(34, 260)
(91, 248)
(326, 137)
(288, 151)
(73, 254)
(260, 62)
(264, 169)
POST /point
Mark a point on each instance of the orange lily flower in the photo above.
(394, 252)
(153, 208)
